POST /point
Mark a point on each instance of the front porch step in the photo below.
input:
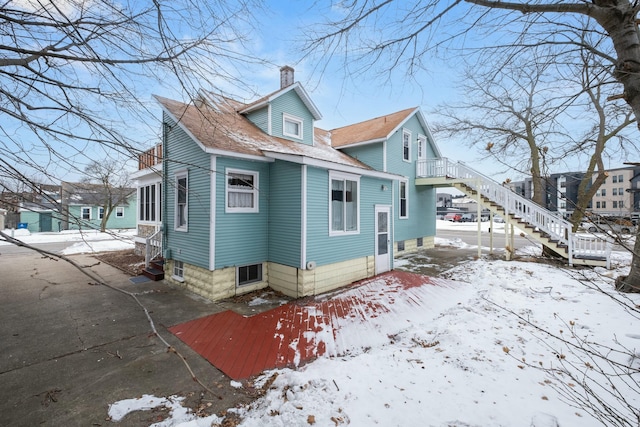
(155, 270)
(153, 274)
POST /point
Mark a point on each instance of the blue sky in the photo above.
(341, 96)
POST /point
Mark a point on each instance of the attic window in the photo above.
(291, 126)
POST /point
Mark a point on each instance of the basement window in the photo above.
(178, 270)
(419, 242)
(249, 274)
(400, 245)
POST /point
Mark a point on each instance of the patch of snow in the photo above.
(178, 414)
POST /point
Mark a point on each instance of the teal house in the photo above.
(84, 206)
(256, 195)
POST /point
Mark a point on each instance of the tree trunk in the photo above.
(620, 24)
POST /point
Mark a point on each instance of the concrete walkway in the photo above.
(70, 348)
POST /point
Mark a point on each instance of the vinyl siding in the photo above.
(241, 238)
(370, 154)
(260, 118)
(421, 199)
(421, 221)
(290, 103)
(325, 249)
(126, 221)
(182, 153)
(285, 213)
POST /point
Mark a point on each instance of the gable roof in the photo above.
(218, 127)
(297, 87)
(380, 129)
(87, 194)
(372, 130)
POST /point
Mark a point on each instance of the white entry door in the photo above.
(383, 239)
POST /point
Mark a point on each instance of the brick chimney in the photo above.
(286, 76)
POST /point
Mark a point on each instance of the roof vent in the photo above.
(286, 76)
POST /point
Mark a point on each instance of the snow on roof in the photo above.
(220, 126)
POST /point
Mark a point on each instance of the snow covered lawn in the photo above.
(86, 241)
(498, 349)
(477, 355)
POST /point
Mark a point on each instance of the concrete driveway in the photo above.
(69, 348)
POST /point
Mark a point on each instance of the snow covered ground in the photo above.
(504, 344)
(86, 241)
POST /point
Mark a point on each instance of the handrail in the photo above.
(153, 247)
(549, 223)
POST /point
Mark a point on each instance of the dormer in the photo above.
(288, 113)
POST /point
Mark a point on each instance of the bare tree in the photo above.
(610, 122)
(515, 112)
(107, 185)
(76, 75)
(391, 34)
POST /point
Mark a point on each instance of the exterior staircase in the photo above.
(542, 225)
(153, 261)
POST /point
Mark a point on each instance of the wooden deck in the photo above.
(295, 333)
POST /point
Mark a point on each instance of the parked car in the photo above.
(609, 225)
(498, 219)
(468, 217)
(454, 217)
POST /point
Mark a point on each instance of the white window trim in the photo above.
(422, 143)
(406, 132)
(176, 176)
(100, 212)
(82, 213)
(406, 188)
(350, 177)
(254, 191)
(119, 211)
(178, 278)
(288, 117)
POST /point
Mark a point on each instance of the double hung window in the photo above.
(241, 191)
(404, 212)
(86, 213)
(182, 200)
(406, 145)
(344, 215)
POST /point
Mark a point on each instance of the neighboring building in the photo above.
(614, 197)
(445, 200)
(634, 189)
(523, 188)
(562, 192)
(83, 206)
(41, 217)
(256, 195)
(38, 209)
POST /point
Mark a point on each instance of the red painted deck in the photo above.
(294, 333)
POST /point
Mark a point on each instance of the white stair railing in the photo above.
(153, 247)
(549, 223)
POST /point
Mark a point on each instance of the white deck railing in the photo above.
(153, 247)
(524, 209)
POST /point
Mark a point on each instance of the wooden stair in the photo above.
(546, 227)
(155, 270)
